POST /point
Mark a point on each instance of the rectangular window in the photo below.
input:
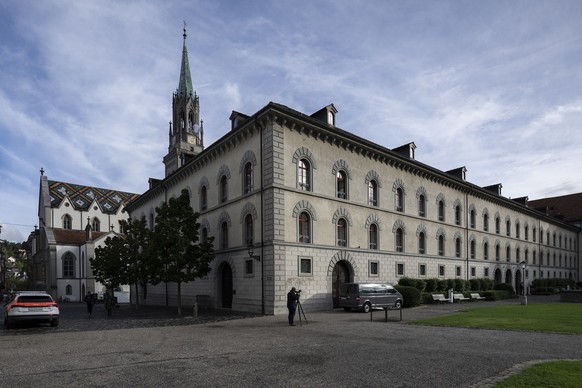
(374, 268)
(399, 269)
(422, 270)
(473, 272)
(305, 266)
(441, 271)
(486, 272)
(249, 268)
(458, 270)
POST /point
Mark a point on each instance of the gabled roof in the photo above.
(567, 208)
(73, 237)
(82, 197)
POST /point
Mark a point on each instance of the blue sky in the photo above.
(86, 86)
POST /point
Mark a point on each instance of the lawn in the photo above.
(555, 317)
(562, 374)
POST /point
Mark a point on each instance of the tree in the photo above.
(181, 257)
(110, 262)
(138, 261)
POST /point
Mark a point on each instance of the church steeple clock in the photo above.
(186, 133)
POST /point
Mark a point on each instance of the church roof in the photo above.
(82, 197)
(73, 237)
(185, 85)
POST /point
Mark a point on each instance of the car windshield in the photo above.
(34, 298)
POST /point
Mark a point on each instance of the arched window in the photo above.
(203, 198)
(399, 200)
(421, 206)
(223, 189)
(68, 265)
(373, 193)
(458, 215)
(486, 222)
(304, 228)
(497, 252)
(342, 184)
(249, 229)
(508, 228)
(204, 235)
(304, 175)
(485, 251)
(517, 230)
(473, 249)
(472, 218)
(441, 245)
(67, 222)
(399, 243)
(248, 183)
(224, 235)
(497, 225)
(69, 290)
(421, 243)
(508, 253)
(458, 247)
(342, 232)
(96, 225)
(441, 211)
(373, 232)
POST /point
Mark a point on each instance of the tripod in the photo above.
(301, 312)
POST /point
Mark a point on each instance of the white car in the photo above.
(31, 306)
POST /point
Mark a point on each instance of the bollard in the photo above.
(195, 314)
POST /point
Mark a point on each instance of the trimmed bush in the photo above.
(506, 287)
(475, 284)
(407, 282)
(459, 285)
(431, 285)
(420, 285)
(443, 285)
(410, 294)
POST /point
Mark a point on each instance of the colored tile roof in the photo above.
(567, 208)
(82, 197)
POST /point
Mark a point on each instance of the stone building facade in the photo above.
(320, 206)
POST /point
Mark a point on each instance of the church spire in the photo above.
(185, 86)
(185, 133)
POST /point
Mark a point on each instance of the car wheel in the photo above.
(347, 308)
(367, 307)
(54, 322)
(398, 304)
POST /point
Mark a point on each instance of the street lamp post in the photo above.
(523, 296)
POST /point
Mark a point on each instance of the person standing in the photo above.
(90, 301)
(109, 303)
(292, 298)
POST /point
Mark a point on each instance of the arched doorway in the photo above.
(225, 286)
(340, 276)
(498, 276)
(508, 276)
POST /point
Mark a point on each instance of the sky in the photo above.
(86, 86)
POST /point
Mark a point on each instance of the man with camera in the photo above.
(292, 299)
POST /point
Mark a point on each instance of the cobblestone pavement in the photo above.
(74, 318)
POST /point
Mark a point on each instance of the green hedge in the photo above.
(410, 294)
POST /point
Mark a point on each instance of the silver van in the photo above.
(365, 296)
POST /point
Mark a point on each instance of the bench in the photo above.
(460, 297)
(476, 296)
(440, 298)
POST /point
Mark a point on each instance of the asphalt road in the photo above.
(154, 347)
